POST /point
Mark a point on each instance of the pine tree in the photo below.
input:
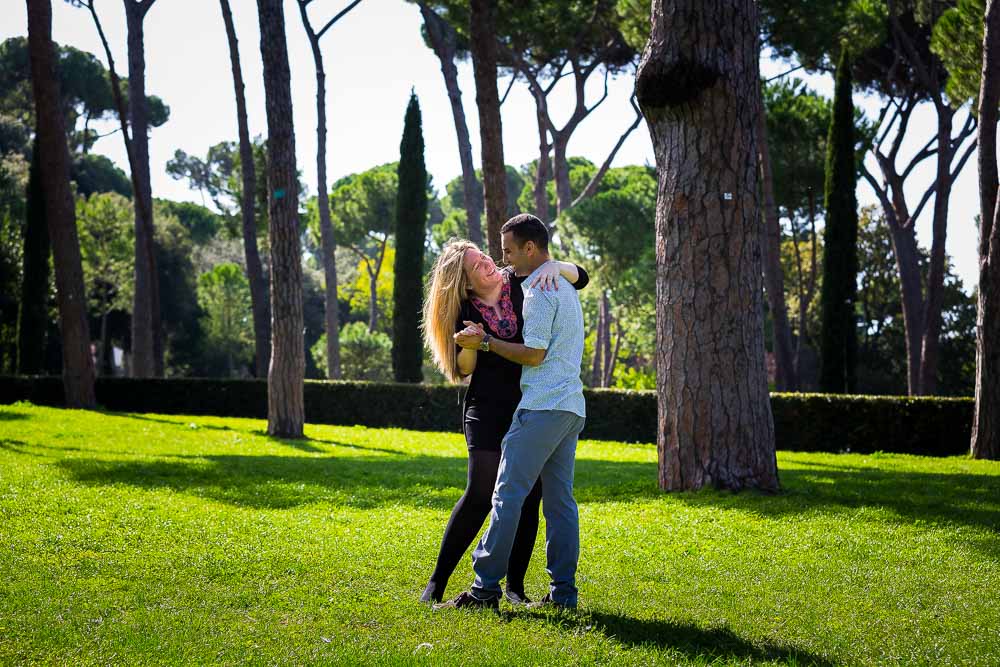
(32, 316)
(411, 226)
(838, 339)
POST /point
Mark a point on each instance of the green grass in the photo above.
(163, 539)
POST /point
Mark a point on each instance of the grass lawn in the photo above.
(164, 539)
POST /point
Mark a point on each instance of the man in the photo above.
(542, 439)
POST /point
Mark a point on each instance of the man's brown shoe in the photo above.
(548, 603)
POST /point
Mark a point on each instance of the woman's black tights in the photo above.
(469, 515)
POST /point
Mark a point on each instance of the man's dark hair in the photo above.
(526, 227)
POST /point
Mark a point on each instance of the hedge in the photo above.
(803, 422)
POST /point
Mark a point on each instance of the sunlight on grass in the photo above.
(149, 538)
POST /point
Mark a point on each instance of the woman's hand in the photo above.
(548, 276)
(471, 336)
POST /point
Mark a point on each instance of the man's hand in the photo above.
(471, 336)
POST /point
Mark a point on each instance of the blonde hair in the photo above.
(447, 288)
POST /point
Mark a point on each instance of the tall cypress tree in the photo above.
(411, 230)
(838, 339)
(33, 314)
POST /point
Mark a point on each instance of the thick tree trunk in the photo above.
(484, 64)
(986, 422)
(444, 41)
(54, 165)
(697, 86)
(774, 278)
(147, 337)
(32, 316)
(904, 246)
(543, 174)
(327, 238)
(255, 270)
(285, 404)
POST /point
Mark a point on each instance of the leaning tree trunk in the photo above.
(543, 173)
(445, 44)
(986, 422)
(255, 270)
(697, 86)
(484, 64)
(285, 403)
(147, 338)
(53, 163)
(774, 279)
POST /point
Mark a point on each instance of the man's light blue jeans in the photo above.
(540, 443)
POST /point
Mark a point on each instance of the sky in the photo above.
(374, 57)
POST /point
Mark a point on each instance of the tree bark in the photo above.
(482, 22)
(697, 86)
(54, 166)
(986, 421)
(543, 174)
(597, 368)
(285, 403)
(444, 42)
(774, 278)
(255, 270)
(32, 316)
(147, 336)
(327, 237)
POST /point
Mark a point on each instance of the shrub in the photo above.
(363, 355)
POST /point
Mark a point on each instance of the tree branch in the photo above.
(509, 87)
(336, 18)
(599, 176)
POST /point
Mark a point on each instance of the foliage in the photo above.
(200, 222)
(105, 224)
(450, 219)
(411, 235)
(363, 355)
(33, 315)
(957, 40)
(838, 341)
(224, 296)
(96, 173)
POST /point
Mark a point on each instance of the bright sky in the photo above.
(373, 56)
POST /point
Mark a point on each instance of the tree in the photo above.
(106, 228)
(838, 342)
(255, 270)
(33, 317)
(14, 168)
(444, 40)
(327, 238)
(697, 87)
(53, 164)
(147, 331)
(411, 235)
(366, 353)
(986, 422)
(224, 296)
(285, 401)
(363, 208)
(483, 45)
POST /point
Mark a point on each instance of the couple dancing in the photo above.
(520, 337)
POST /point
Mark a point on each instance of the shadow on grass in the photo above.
(10, 415)
(695, 642)
(288, 481)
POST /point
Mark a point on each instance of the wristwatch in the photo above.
(484, 344)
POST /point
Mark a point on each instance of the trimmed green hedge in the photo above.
(803, 422)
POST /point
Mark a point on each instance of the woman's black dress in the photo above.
(490, 402)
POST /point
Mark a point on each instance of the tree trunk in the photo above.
(33, 316)
(54, 166)
(483, 45)
(327, 238)
(444, 42)
(934, 301)
(147, 338)
(986, 422)
(597, 368)
(697, 86)
(904, 246)
(606, 365)
(564, 196)
(285, 403)
(609, 372)
(774, 278)
(543, 174)
(255, 271)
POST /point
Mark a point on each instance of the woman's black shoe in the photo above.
(431, 594)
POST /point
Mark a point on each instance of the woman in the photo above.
(466, 285)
